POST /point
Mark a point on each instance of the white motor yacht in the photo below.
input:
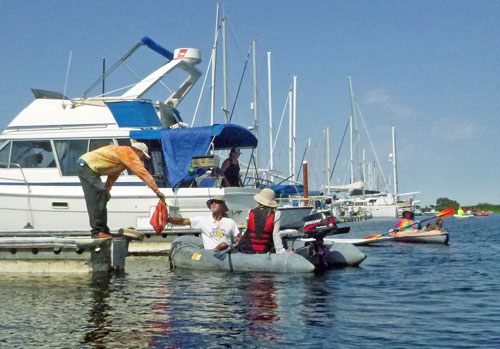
(39, 148)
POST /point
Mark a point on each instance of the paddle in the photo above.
(299, 234)
(447, 212)
(221, 253)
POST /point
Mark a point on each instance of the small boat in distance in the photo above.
(421, 236)
(463, 216)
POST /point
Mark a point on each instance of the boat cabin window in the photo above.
(156, 165)
(98, 143)
(32, 154)
(4, 153)
(68, 151)
(123, 141)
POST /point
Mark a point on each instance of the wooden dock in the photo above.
(63, 251)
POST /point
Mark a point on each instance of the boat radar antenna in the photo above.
(66, 81)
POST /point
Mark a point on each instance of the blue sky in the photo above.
(429, 68)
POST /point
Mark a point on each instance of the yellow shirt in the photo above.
(111, 160)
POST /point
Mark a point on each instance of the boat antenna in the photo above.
(239, 85)
(341, 142)
(103, 75)
(66, 82)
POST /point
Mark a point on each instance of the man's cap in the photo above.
(142, 147)
(219, 200)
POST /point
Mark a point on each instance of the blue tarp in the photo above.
(134, 114)
(180, 145)
(284, 191)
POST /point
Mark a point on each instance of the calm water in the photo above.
(402, 296)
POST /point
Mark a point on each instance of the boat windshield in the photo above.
(4, 153)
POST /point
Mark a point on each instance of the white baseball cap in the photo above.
(142, 147)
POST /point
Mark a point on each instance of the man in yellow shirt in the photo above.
(110, 160)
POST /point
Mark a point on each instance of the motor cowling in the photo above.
(319, 224)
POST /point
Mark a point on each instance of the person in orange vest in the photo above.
(110, 160)
(263, 229)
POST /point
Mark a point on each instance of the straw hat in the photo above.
(408, 213)
(218, 199)
(266, 197)
(142, 147)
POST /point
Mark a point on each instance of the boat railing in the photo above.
(296, 201)
(25, 181)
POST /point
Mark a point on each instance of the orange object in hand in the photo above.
(160, 216)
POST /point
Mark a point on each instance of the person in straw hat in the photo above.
(217, 231)
(263, 228)
(110, 160)
(407, 222)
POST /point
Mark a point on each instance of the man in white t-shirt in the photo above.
(218, 231)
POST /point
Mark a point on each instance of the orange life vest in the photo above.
(258, 237)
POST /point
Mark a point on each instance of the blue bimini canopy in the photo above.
(284, 191)
(180, 145)
(134, 114)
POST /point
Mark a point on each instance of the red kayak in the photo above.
(481, 214)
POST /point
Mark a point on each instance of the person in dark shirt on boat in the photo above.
(263, 228)
(436, 226)
(218, 231)
(231, 169)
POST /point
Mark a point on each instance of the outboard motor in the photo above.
(317, 226)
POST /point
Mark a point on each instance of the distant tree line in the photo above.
(443, 203)
(488, 207)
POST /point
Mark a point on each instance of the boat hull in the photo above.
(61, 205)
(188, 252)
(358, 242)
(422, 237)
(337, 255)
(463, 216)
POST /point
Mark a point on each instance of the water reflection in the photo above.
(317, 301)
(402, 296)
(260, 297)
(261, 300)
(98, 316)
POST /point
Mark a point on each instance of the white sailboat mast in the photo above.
(351, 119)
(224, 70)
(270, 102)
(290, 134)
(214, 59)
(328, 170)
(394, 164)
(294, 135)
(364, 171)
(351, 148)
(255, 122)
